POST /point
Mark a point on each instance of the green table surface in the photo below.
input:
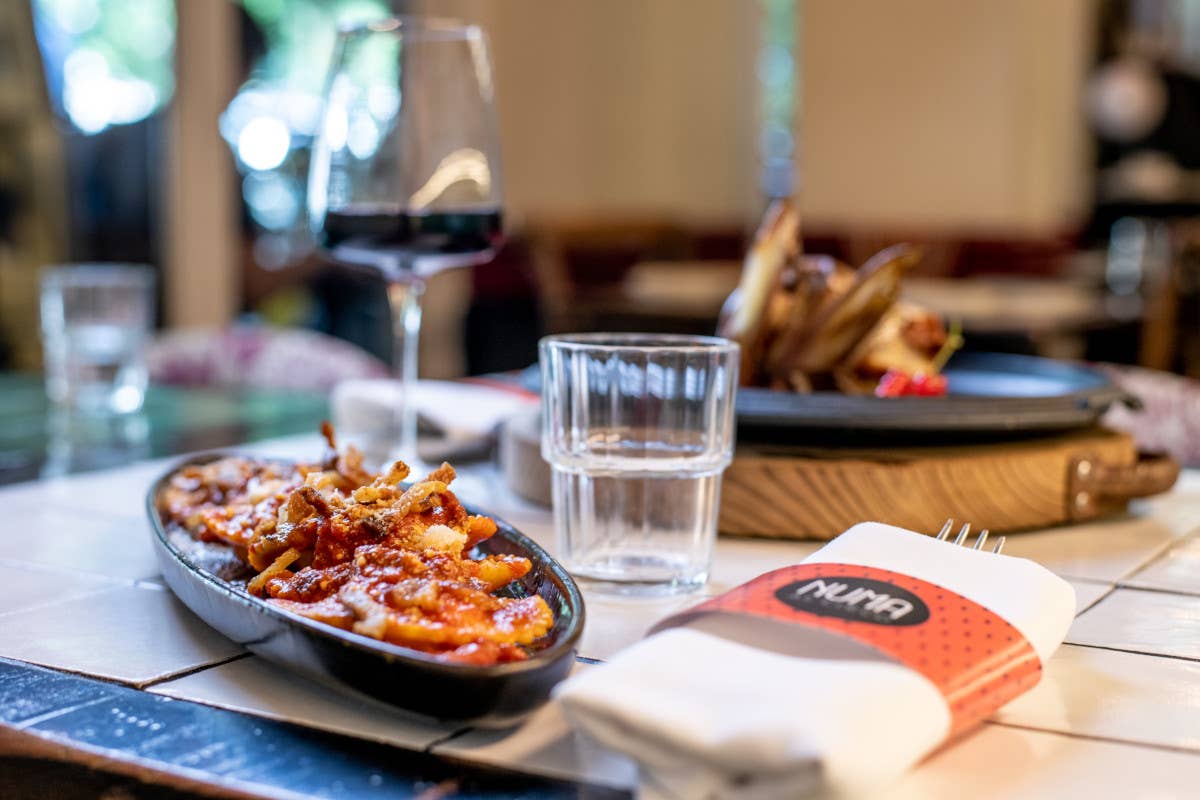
(37, 441)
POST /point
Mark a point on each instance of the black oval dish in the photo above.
(992, 396)
(202, 576)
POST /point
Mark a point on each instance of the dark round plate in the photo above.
(992, 395)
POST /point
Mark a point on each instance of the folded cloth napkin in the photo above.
(834, 675)
(458, 414)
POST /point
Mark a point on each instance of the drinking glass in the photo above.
(85, 442)
(405, 177)
(637, 429)
(96, 319)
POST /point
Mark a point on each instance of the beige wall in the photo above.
(944, 113)
(201, 269)
(921, 113)
(624, 106)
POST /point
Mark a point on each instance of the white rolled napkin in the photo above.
(365, 412)
(721, 704)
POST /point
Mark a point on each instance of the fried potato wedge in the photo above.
(743, 317)
(832, 334)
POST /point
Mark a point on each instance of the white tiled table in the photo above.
(1118, 714)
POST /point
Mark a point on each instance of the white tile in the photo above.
(1109, 694)
(1143, 622)
(67, 538)
(301, 447)
(1177, 570)
(133, 634)
(1098, 551)
(738, 559)
(23, 587)
(1177, 508)
(999, 763)
(546, 745)
(1088, 593)
(117, 492)
(258, 687)
(122, 491)
(614, 623)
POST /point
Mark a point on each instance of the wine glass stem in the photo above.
(405, 300)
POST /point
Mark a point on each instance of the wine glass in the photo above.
(404, 177)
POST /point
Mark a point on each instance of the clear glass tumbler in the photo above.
(96, 319)
(637, 429)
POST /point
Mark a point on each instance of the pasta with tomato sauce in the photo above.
(341, 546)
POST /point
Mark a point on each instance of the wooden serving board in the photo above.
(793, 492)
(816, 493)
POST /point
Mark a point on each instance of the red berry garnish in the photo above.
(933, 385)
(894, 383)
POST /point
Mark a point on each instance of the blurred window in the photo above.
(270, 121)
(777, 67)
(107, 62)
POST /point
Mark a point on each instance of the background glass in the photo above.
(96, 319)
(637, 430)
(404, 176)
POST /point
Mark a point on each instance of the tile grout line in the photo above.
(1110, 588)
(88, 512)
(67, 599)
(1093, 581)
(54, 569)
(1155, 556)
(183, 673)
(1121, 583)
(105, 679)
(1194, 659)
(1191, 751)
(1157, 590)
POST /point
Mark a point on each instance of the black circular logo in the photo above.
(857, 599)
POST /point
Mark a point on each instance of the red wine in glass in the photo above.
(391, 239)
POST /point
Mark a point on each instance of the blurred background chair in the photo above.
(582, 264)
(638, 273)
(258, 357)
(1169, 421)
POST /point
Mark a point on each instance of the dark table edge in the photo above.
(60, 716)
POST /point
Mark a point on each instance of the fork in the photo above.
(964, 532)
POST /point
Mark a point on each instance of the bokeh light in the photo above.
(263, 143)
(274, 115)
(274, 199)
(108, 62)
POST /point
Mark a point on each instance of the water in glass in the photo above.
(96, 319)
(97, 366)
(637, 430)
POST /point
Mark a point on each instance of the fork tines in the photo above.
(964, 532)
